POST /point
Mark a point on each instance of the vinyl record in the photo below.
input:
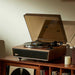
(36, 44)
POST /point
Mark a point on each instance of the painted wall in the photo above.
(13, 29)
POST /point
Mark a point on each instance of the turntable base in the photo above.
(42, 54)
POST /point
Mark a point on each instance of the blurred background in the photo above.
(13, 28)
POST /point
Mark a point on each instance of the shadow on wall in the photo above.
(2, 49)
(69, 27)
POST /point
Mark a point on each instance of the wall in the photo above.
(13, 29)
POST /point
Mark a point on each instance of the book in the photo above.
(66, 73)
(54, 73)
(46, 72)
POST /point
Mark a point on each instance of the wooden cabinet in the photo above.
(14, 61)
(0, 68)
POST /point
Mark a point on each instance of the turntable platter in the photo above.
(36, 44)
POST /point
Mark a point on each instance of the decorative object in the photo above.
(19, 70)
(67, 60)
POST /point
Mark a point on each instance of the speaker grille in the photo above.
(31, 54)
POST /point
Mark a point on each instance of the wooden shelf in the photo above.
(14, 61)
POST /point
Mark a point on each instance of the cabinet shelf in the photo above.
(14, 61)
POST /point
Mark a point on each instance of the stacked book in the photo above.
(44, 72)
(55, 73)
(66, 73)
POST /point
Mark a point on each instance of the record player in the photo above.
(48, 38)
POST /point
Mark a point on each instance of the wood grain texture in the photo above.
(50, 71)
(13, 61)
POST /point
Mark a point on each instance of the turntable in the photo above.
(48, 36)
